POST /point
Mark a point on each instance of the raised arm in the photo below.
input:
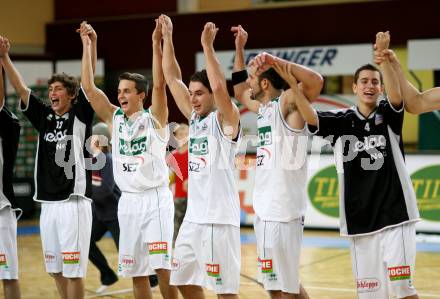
(416, 102)
(426, 101)
(13, 75)
(294, 95)
(229, 114)
(159, 106)
(391, 81)
(171, 69)
(94, 49)
(98, 100)
(241, 88)
(310, 81)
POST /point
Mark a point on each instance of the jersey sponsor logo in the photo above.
(263, 155)
(265, 135)
(399, 273)
(426, 182)
(134, 147)
(71, 257)
(323, 191)
(50, 257)
(367, 285)
(197, 164)
(213, 270)
(158, 248)
(370, 142)
(199, 146)
(3, 260)
(129, 167)
(55, 136)
(127, 262)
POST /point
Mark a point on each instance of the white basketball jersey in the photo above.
(212, 192)
(138, 153)
(281, 171)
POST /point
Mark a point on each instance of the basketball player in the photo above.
(207, 250)
(139, 139)
(63, 185)
(378, 207)
(279, 197)
(9, 136)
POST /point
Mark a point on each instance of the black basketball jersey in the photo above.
(9, 136)
(374, 186)
(60, 167)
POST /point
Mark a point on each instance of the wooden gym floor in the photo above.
(325, 268)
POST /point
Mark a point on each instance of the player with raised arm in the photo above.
(9, 137)
(378, 208)
(207, 250)
(279, 197)
(416, 102)
(139, 139)
(62, 180)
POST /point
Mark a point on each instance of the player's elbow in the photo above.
(218, 87)
(88, 87)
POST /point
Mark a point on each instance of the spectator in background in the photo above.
(105, 195)
(180, 176)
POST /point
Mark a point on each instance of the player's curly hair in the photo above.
(69, 82)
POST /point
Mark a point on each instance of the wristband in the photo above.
(239, 77)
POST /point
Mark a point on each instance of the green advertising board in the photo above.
(324, 191)
(426, 182)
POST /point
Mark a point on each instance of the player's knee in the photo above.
(140, 280)
(55, 275)
(276, 294)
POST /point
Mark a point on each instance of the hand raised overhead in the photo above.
(241, 36)
(263, 62)
(4, 46)
(157, 32)
(166, 26)
(208, 34)
(382, 43)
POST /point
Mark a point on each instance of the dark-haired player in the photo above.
(279, 196)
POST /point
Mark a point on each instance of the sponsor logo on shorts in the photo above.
(266, 266)
(127, 261)
(399, 273)
(50, 257)
(367, 285)
(175, 264)
(2, 260)
(71, 257)
(213, 270)
(158, 248)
